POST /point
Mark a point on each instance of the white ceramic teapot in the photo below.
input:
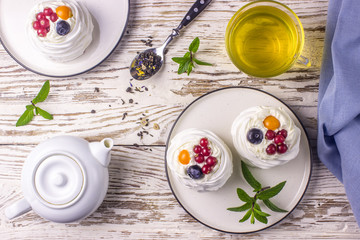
(64, 179)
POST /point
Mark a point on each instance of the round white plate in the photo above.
(109, 17)
(215, 111)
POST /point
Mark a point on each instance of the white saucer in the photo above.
(216, 111)
(109, 17)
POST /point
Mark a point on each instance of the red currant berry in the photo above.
(282, 148)
(204, 142)
(271, 149)
(44, 23)
(54, 17)
(270, 134)
(42, 32)
(48, 29)
(282, 132)
(278, 139)
(206, 169)
(199, 158)
(40, 16)
(47, 11)
(197, 149)
(36, 25)
(211, 161)
(206, 151)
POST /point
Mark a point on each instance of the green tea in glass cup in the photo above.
(265, 39)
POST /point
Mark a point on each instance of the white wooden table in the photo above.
(139, 203)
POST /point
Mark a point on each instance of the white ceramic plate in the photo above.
(109, 17)
(216, 111)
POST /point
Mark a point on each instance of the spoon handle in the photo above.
(195, 10)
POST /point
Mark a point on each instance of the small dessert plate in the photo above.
(109, 17)
(215, 111)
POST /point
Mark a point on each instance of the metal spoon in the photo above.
(147, 63)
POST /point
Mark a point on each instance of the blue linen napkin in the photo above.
(339, 98)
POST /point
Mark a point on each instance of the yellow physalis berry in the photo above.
(184, 157)
(64, 12)
(271, 123)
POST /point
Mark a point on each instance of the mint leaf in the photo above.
(271, 192)
(254, 210)
(242, 208)
(194, 46)
(244, 196)
(183, 67)
(187, 56)
(179, 59)
(190, 67)
(44, 113)
(201, 62)
(26, 117)
(252, 219)
(259, 217)
(246, 216)
(272, 206)
(261, 213)
(186, 63)
(43, 93)
(249, 177)
(30, 107)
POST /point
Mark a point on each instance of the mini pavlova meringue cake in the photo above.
(265, 137)
(60, 30)
(199, 159)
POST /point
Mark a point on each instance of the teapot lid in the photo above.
(59, 180)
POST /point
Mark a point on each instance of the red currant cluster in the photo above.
(203, 151)
(42, 23)
(279, 145)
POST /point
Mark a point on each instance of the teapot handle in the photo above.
(18, 208)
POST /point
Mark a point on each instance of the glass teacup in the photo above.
(265, 39)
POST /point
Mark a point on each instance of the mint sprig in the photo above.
(186, 63)
(28, 115)
(261, 193)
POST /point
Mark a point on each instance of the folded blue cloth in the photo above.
(339, 98)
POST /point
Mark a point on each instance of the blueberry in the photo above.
(255, 136)
(195, 172)
(62, 28)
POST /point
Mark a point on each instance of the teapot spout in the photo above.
(101, 151)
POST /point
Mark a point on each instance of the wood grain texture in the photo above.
(139, 203)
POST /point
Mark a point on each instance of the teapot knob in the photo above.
(59, 180)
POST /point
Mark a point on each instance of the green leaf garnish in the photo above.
(43, 93)
(259, 217)
(243, 196)
(272, 206)
(28, 115)
(186, 63)
(44, 113)
(249, 177)
(252, 219)
(264, 194)
(246, 216)
(198, 62)
(271, 192)
(194, 45)
(179, 60)
(242, 208)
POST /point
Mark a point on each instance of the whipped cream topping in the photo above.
(62, 48)
(255, 154)
(187, 139)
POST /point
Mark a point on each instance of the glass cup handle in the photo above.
(304, 61)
